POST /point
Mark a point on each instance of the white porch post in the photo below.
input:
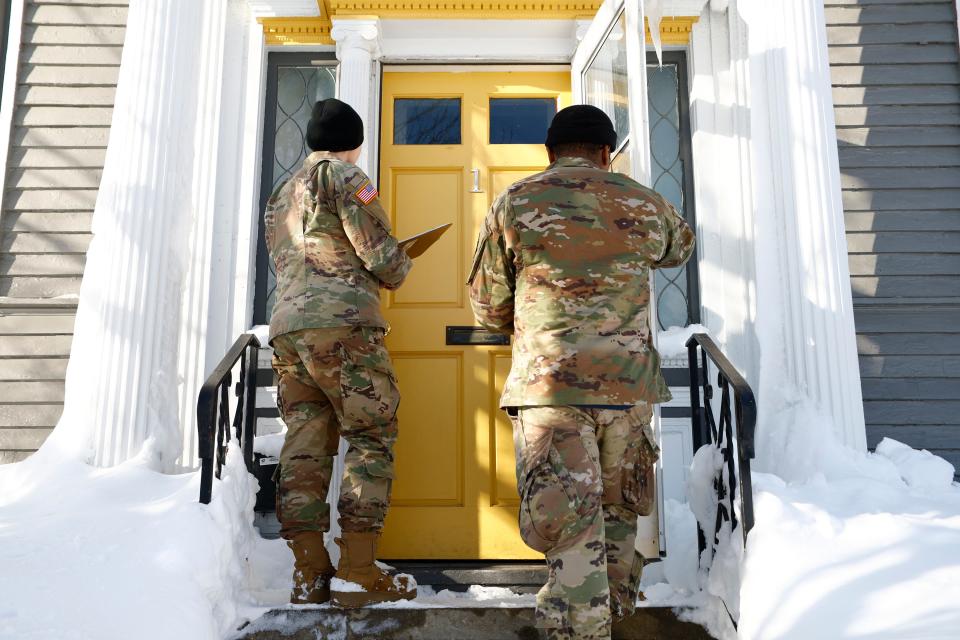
(153, 220)
(804, 321)
(359, 51)
(358, 80)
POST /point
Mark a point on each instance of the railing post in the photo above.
(736, 441)
(250, 401)
(693, 365)
(213, 412)
(206, 417)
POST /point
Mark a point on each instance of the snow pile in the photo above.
(122, 552)
(270, 444)
(262, 332)
(852, 558)
(919, 469)
(672, 343)
(845, 545)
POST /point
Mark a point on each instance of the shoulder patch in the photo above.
(366, 192)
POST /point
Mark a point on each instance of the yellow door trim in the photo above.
(316, 30)
(464, 9)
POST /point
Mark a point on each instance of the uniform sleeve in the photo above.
(368, 229)
(492, 278)
(679, 237)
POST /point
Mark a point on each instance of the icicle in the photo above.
(654, 11)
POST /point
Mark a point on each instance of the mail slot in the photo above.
(475, 335)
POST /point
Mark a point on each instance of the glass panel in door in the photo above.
(294, 83)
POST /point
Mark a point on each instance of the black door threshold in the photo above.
(457, 575)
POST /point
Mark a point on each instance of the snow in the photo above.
(672, 342)
(269, 445)
(846, 544)
(122, 552)
(919, 469)
(262, 331)
(344, 586)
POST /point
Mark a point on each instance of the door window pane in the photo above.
(297, 89)
(605, 80)
(673, 286)
(520, 120)
(426, 121)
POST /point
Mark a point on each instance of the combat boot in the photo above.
(360, 580)
(312, 569)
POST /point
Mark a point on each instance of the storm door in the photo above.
(295, 81)
(648, 106)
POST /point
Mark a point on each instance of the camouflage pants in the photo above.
(584, 475)
(333, 383)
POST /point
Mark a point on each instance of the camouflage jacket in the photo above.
(563, 263)
(331, 244)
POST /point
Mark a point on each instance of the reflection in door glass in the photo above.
(426, 121)
(605, 79)
(298, 88)
(623, 162)
(520, 120)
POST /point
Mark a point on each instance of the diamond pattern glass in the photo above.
(298, 88)
(667, 170)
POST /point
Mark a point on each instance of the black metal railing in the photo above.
(733, 435)
(213, 411)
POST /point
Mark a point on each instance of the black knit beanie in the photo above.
(334, 126)
(581, 124)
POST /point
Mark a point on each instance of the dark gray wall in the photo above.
(896, 90)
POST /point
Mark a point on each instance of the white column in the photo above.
(720, 125)
(804, 322)
(359, 50)
(358, 81)
(152, 232)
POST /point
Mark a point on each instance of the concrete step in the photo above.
(473, 623)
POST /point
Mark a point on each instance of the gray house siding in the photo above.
(896, 90)
(66, 81)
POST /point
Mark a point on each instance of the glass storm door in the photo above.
(609, 72)
(450, 143)
(295, 81)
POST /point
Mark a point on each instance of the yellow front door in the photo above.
(450, 142)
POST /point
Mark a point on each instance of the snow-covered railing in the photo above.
(732, 437)
(214, 409)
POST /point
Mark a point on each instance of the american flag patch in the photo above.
(366, 193)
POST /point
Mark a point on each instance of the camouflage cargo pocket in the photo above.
(546, 509)
(368, 388)
(639, 477)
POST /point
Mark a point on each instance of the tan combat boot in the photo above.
(360, 580)
(312, 569)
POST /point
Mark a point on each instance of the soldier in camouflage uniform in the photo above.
(331, 243)
(563, 265)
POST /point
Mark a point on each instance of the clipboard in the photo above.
(415, 246)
